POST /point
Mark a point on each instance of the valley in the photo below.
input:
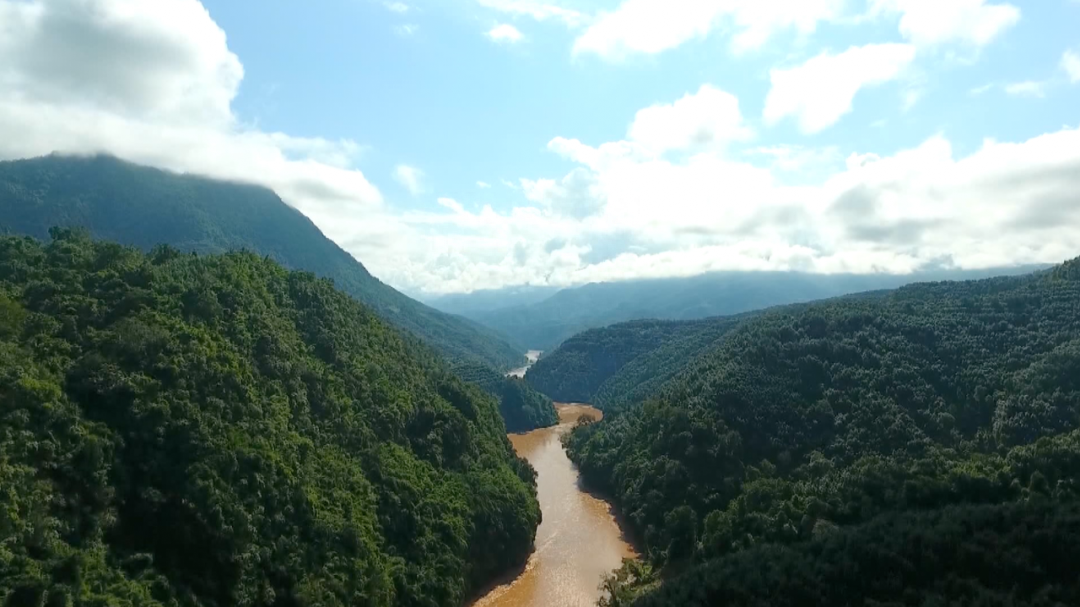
(578, 542)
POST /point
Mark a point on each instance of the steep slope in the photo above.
(144, 207)
(521, 406)
(805, 419)
(625, 362)
(215, 430)
(545, 325)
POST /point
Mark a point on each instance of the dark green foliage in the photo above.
(993, 556)
(187, 430)
(545, 324)
(626, 362)
(522, 408)
(144, 207)
(807, 420)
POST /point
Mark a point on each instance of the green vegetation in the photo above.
(522, 407)
(626, 362)
(145, 207)
(860, 432)
(216, 431)
(545, 324)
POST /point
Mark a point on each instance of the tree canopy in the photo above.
(145, 207)
(844, 415)
(217, 431)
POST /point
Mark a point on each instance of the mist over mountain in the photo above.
(546, 324)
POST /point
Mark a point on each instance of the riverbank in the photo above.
(579, 541)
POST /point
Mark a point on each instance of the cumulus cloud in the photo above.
(577, 195)
(822, 90)
(936, 22)
(654, 26)
(152, 82)
(1070, 63)
(711, 117)
(410, 178)
(505, 33)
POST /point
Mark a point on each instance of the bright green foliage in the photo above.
(522, 408)
(625, 362)
(186, 430)
(807, 420)
(145, 207)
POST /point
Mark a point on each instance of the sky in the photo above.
(457, 145)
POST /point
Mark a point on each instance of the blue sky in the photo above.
(471, 144)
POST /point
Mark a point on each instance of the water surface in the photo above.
(577, 544)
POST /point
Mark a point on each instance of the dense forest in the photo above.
(522, 407)
(624, 362)
(145, 207)
(545, 324)
(219, 431)
(809, 431)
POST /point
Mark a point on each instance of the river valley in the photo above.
(578, 542)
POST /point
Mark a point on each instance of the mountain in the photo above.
(623, 362)
(546, 324)
(487, 300)
(217, 431)
(521, 406)
(806, 431)
(144, 207)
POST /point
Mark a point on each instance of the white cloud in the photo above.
(152, 82)
(935, 22)
(406, 29)
(1028, 88)
(397, 7)
(653, 26)
(410, 178)
(483, 185)
(1070, 62)
(505, 33)
(537, 10)
(708, 118)
(821, 91)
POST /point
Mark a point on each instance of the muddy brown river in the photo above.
(578, 542)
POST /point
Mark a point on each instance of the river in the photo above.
(532, 356)
(578, 542)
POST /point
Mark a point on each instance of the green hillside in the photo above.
(144, 207)
(624, 362)
(802, 421)
(522, 407)
(219, 431)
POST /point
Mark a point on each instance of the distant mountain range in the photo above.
(144, 207)
(544, 324)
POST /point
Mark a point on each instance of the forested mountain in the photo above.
(624, 362)
(521, 406)
(810, 431)
(219, 431)
(144, 207)
(546, 324)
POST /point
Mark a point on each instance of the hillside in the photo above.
(625, 362)
(218, 431)
(806, 420)
(521, 406)
(546, 324)
(144, 207)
